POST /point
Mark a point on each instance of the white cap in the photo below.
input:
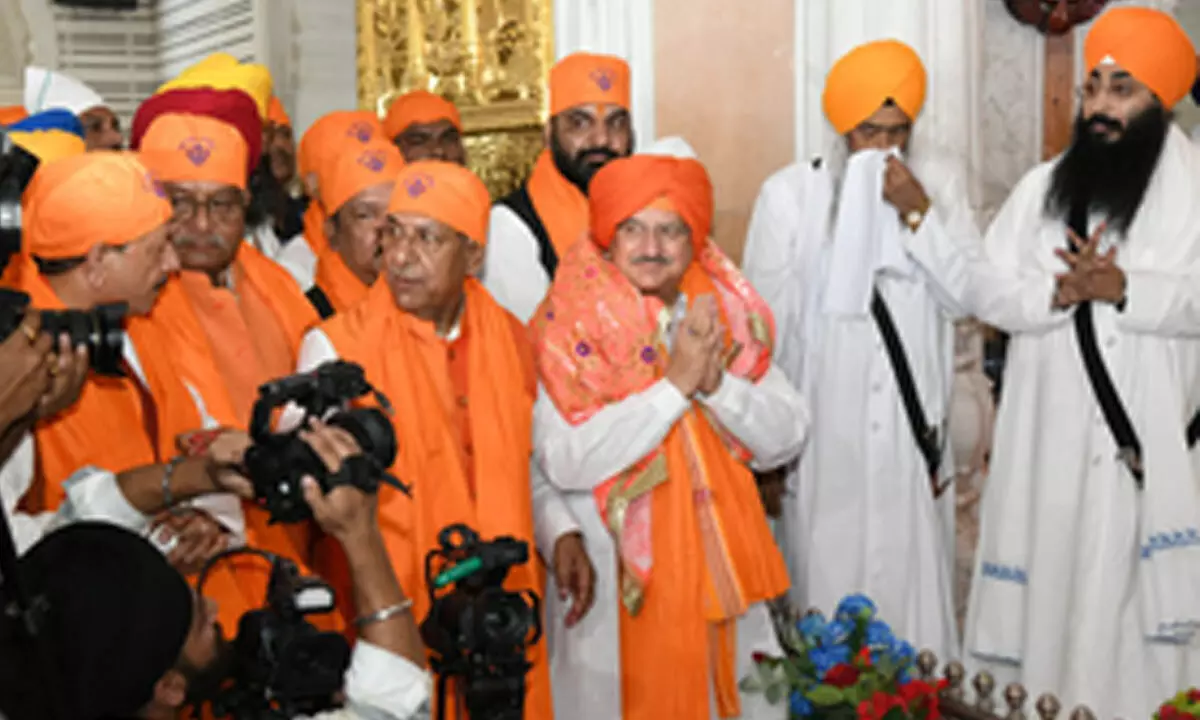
(48, 90)
(673, 146)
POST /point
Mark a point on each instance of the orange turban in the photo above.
(867, 77)
(627, 186)
(585, 79)
(277, 114)
(1150, 45)
(335, 133)
(446, 192)
(12, 114)
(181, 148)
(97, 198)
(419, 107)
(352, 172)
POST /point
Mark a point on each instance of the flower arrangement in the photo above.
(847, 668)
(1184, 706)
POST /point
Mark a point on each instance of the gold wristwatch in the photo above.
(914, 218)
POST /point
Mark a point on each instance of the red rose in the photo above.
(881, 703)
(1169, 712)
(841, 675)
(1193, 695)
(758, 657)
(864, 658)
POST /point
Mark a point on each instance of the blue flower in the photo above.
(853, 607)
(903, 652)
(800, 706)
(824, 658)
(907, 675)
(879, 635)
(836, 633)
(811, 626)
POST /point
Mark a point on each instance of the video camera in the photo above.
(277, 461)
(283, 667)
(478, 631)
(101, 329)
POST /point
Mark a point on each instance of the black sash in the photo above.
(929, 439)
(320, 301)
(520, 203)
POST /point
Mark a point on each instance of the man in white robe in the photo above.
(868, 509)
(631, 382)
(1087, 578)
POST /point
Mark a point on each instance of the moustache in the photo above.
(202, 241)
(595, 156)
(650, 260)
(1103, 122)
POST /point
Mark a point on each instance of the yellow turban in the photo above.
(222, 71)
(1150, 45)
(49, 145)
(867, 77)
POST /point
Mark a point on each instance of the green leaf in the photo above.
(825, 695)
(896, 714)
(750, 684)
(776, 692)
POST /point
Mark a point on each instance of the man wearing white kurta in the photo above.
(532, 228)
(1087, 580)
(655, 387)
(861, 513)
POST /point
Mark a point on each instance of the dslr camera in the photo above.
(276, 462)
(100, 329)
(477, 631)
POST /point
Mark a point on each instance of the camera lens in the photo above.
(100, 329)
(373, 430)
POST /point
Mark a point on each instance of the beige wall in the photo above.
(723, 78)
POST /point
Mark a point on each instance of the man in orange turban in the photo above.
(657, 389)
(344, 131)
(425, 127)
(430, 334)
(828, 249)
(533, 227)
(1088, 561)
(357, 187)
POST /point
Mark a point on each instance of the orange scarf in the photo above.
(225, 346)
(559, 204)
(597, 343)
(314, 228)
(340, 285)
(407, 361)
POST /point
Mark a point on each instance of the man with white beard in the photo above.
(866, 333)
(1088, 573)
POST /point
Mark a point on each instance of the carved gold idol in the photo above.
(489, 57)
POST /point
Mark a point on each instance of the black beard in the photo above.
(573, 167)
(1108, 177)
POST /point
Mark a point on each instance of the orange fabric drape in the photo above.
(409, 363)
(559, 204)
(708, 554)
(342, 287)
(314, 228)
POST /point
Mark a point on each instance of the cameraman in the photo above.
(131, 639)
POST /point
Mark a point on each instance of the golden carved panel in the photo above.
(490, 57)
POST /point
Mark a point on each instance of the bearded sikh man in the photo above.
(657, 386)
(356, 189)
(826, 248)
(429, 333)
(425, 126)
(534, 226)
(48, 90)
(1089, 564)
(344, 131)
(276, 187)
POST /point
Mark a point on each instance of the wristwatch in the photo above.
(914, 218)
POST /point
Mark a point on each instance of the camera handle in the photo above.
(29, 613)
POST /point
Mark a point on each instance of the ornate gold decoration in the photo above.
(490, 57)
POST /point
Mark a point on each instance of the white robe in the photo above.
(299, 260)
(1063, 598)
(585, 669)
(859, 515)
(512, 268)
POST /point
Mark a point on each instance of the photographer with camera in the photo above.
(95, 247)
(130, 639)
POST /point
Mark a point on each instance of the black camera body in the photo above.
(278, 461)
(478, 632)
(283, 667)
(101, 330)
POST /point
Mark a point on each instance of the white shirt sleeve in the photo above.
(298, 259)
(946, 245)
(381, 685)
(768, 417)
(512, 267)
(551, 517)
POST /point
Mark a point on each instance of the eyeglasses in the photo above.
(425, 241)
(638, 230)
(220, 208)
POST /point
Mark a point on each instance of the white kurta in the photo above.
(860, 515)
(1077, 570)
(551, 517)
(299, 260)
(512, 267)
(585, 668)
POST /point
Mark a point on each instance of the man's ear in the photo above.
(548, 132)
(474, 258)
(94, 271)
(330, 228)
(310, 185)
(170, 691)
